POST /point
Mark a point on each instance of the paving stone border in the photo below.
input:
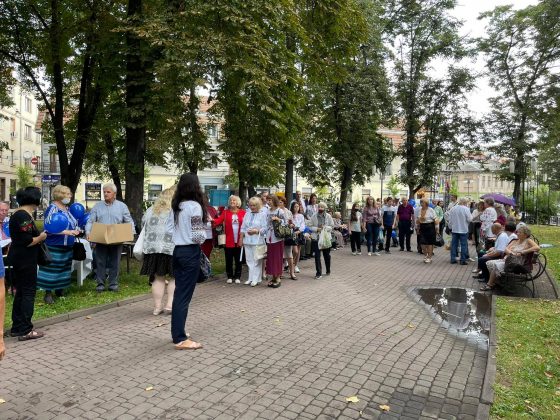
(487, 396)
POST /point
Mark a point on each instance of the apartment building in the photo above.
(21, 139)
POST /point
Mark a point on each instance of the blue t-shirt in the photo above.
(72, 223)
(2, 269)
(389, 214)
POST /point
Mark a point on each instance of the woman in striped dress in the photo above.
(56, 276)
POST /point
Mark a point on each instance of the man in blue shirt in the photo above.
(108, 257)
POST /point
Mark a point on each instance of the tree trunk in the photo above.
(112, 163)
(243, 192)
(137, 84)
(289, 183)
(251, 190)
(345, 188)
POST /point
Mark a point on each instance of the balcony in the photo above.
(47, 168)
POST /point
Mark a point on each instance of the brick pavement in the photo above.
(294, 352)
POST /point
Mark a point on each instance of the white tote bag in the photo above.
(260, 250)
(139, 247)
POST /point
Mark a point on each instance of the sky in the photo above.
(468, 11)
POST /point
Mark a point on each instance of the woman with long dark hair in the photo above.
(186, 224)
(371, 222)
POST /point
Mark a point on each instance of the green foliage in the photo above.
(433, 111)
(522, 49)
(454, 188)
(24, 177)
(542, 202)
(394, 185)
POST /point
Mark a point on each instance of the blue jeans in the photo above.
(457, 238)
(186, 268)
(372, 236)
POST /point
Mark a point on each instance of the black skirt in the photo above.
(427, 234)
(157, 265)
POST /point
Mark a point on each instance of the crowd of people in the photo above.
(269, 237)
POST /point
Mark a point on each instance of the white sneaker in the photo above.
(247, 282)
(229, 281)
(369, 254)
(359, 253)
(353, 253)
(296, 269)
(237, 281)
(254, 283)
(377, 253)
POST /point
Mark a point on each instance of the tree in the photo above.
(431, 109)
(65, 43)
(24, 177)
(394, 185)
(347, 101)
(522, 48)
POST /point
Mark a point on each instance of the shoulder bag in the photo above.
(78, 251)
(44, 256)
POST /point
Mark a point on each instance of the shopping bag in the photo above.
(139, 246)
(324, 239)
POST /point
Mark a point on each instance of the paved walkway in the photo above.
(295, 352)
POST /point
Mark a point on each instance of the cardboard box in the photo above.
(111, 234)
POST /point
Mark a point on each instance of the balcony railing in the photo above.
(48, 168)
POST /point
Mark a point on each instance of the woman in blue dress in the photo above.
(56, 276)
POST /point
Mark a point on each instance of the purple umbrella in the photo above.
(499, 198)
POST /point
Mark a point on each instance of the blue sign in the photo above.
(50, 179)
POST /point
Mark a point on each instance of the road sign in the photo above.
(35, 160)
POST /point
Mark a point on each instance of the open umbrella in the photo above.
(499, 198)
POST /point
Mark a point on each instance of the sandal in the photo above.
(293, 277)
(276, 285)
(32, 335)
(486, 288)
(188, 345)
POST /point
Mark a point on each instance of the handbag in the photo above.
(221, 239)
(515, 264)
(281, 231)
(139, 246)
(44, 256)
(292, 240)
(78, 251)
(205, 268)
(260, 250)
(439, 240)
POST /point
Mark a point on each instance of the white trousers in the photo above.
(254, 265)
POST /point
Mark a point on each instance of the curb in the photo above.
(487, 396)
(95, 309)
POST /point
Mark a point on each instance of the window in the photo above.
(483, 181)
(27, 132)
(365, 193)
(28, 105)
(39, 138)
(207, 188)
(306, 190)
(213, 131)
(154, 190)
(502, 183)
(92, 191)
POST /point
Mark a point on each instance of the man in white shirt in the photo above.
(503, 238)
(459, 218)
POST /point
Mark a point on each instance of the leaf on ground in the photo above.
(549, 375)
(538, 356)
(411, 326)
(161, 324)
(2, 401)
(557, 393)
(242, 310)
(150, 388)
(384, 407)
(352, 399)
(88, 317)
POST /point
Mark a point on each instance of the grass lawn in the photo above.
(86, 297)
(549, 235)
(528, 359)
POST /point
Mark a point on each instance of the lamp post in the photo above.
(468, 181)
(447, 175)
(534, 171)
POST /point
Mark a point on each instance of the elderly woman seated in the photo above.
(522, 246)
(339, 230)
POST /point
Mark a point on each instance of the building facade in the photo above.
(19, 132)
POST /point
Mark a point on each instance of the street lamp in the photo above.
(468, 181)
(447, 174)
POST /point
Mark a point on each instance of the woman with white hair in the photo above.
(274, 244)
(158, 249)
(321, 221)
(232, 218)
(56, 276)
(427, 224)
(254, 230)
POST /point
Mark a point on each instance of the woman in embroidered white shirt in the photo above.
(187, 227)
(254, 230)
(427, 224)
